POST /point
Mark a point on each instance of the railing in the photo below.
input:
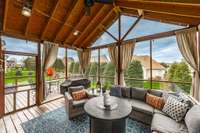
(144, 83)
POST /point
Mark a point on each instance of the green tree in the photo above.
(109, 71)
(102, 67)
(93, 70)
(29, 63)
(59, 65)
(180, 72)
(76, 68)
(134, 70)
(71, 67)
(87, 71)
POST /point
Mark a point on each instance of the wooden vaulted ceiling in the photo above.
(56, 20)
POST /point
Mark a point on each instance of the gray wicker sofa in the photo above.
(159, 121)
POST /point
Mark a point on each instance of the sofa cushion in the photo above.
(79, 103)
(159, 112)
(155, 92)
(175, 109)
(141, 106)
(75, 88)
(164, 124)
(138, 93)
(116, 91)
(184, 98)
(192, 119)
(126, 92)
(155, 101)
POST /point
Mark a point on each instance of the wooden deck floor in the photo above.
(12, 123)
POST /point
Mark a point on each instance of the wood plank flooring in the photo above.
(12, 123)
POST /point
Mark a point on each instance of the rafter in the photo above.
(162, 7)
(163, 17)
(94, 35)
(99, 16)
(49, 20)
(29, 20)
(84, 21)
(176, 1)
(5, 15)
(69, 10)
(105, 30)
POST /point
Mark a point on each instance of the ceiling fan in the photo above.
(90, 3)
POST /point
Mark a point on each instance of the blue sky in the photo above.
(164, 50)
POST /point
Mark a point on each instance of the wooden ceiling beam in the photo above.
(2, 9)
(99, 16)
(49, 20)
(86, 20)
(95, 34)
(176, 1)
(161, 7)
(5, 15)
(162, 17)
(69, 11)
(30, 19)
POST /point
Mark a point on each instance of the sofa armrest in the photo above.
(68, 101)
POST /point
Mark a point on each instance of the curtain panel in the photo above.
(188, 44)
(84, 59)
(126, 54)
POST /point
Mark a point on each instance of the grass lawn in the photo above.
(155, 85)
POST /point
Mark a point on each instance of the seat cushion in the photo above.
(138, 93)
(155, 92)
(159, 112)
(192, 119)
(79, 103)
(116, 91)
(164, 124)
(141, 106)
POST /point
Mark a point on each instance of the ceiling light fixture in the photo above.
(27, 8)
(76, 33)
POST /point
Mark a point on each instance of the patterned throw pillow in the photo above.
(79, 95)
(175, 109)
(155, 101)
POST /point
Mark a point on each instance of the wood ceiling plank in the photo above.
(89, 28)
(69, 10)
(28, 25)
(5, 15)
(84, 21)
(169, 8)
(176, 1)
(107, 21)
(162, 17)
(50, 18)
(2, 9)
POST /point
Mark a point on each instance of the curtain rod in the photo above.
(143, 38)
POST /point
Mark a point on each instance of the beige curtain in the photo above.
(84, 59)
(126, 52)
(189, 47)
(49, 55)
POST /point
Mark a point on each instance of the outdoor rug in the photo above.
(57, 122)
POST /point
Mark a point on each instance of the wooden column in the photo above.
(151, 64)
(2, 104)
(39, 81)
(119, 52)
(99, 67)
(66, 64)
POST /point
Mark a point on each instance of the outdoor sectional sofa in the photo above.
(159, 121)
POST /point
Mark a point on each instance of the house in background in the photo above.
(158, 70)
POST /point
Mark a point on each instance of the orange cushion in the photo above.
(79, 95)
(155, 101)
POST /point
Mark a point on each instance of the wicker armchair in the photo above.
(74, 108)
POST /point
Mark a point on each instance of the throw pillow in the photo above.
(116, 91)
(184, 98)
(79, 95)
(155, 101)
(138, 93)
(192, 119)
(175, 109)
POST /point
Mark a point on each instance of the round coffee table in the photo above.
(107, 121)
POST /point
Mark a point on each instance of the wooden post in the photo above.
(151, 64)
(99, 66)
(39, 82)
(66, 64)
(2, 94)
(119, 52)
